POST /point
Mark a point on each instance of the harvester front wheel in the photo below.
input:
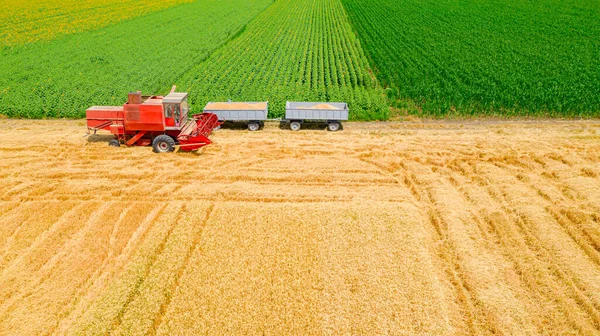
(114, 143)
(163, 144)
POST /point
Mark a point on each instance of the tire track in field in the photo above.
(28, 231)
(83, 289)
(16, 189)
(134, 292)
(13, 298)
(11, 223)
(7, 207)
(30, 251)
(579, 293)
(474, 311)
(158, 320)
(496, 228)
(109, 268)
(534, 272)
(445, 250)
(586, 236)
(553, 276)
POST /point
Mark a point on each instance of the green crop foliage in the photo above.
(63, 77)
(499, 57)
(296, 50)
(233, 49)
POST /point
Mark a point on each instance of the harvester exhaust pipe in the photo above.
(173, 88)
(134, 97)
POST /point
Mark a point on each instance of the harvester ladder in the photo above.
(135, 138)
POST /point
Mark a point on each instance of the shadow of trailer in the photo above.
(253, 114)
(297, 113)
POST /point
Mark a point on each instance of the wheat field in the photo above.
(434, 228)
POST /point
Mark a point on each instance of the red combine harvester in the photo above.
(158, 120)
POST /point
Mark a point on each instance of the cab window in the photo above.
(169, 110)
(177, 111)
(185, 107)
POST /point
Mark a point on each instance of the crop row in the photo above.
(294, 50)
(501, 57)
(62, 77)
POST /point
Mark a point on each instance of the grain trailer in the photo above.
(253, 114)
(296, 113)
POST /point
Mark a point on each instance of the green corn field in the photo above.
(430, 58)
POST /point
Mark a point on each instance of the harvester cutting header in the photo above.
(163, 121)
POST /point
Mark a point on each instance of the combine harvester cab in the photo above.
(160, 121)
(296, 113)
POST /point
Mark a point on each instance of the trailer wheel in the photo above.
(114, 143)
(163, 144)
(333, 126)
(295, 125)
(253, 127)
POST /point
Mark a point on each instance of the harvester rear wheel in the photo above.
(163, 144)
(114, 143)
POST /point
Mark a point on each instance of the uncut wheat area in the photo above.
(432, 228)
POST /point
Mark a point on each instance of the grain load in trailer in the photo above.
(297, 113)
(252, 113)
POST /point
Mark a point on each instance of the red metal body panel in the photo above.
(102, 117)
(144, 117)
(169, 122)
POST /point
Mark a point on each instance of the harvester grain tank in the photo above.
(160, 121)
(296, 113)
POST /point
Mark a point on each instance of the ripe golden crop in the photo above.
(383, 228)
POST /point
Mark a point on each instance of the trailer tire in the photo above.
(114, 143)
(295, 126)
(163, 144)
(333, 126)
(253, 126)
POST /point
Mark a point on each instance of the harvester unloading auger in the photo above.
(161, 121)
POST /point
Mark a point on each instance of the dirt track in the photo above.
(432, 228)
